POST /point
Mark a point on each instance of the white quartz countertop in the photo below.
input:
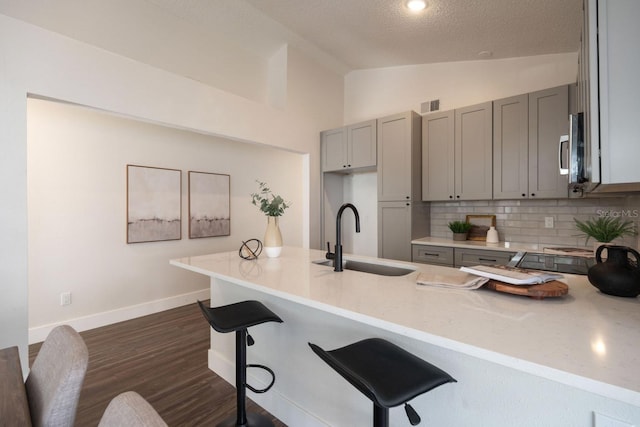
(477, 244)
(586, 339)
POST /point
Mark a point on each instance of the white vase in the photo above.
(272, 244)
(492, 235)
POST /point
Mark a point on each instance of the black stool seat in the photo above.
(387, 374)
(241, 315)
(237, 318)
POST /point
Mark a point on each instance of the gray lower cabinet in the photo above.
(439, 255)
(398, 224)
(459, 257)
(464, 257)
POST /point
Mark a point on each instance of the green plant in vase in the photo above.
(605, 229)
(267, 202)
(273, 206)
(460, 229)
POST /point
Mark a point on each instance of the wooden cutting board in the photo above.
(553, 288)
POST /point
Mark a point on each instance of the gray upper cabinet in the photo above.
(333, 149)
(511, 147)
(399, 157)
(526, 132)
(548, 121)
(456, 154)
(401, 214)
(473, 152)
(437, 156)
(614, 92)
(349, 147)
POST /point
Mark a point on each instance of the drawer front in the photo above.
(439, 255)
(470, 257)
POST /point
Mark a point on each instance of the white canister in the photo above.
(492, 235)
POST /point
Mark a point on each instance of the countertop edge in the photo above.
(574, 380)
(478, 244)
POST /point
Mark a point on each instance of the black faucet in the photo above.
(337, 261)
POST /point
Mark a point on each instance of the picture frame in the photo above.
(154, 204)
(479, 226)
(209, 204)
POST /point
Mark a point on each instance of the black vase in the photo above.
(617, 275)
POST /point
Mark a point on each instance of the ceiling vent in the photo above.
(429, 106)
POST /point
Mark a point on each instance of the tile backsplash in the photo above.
(523, 221)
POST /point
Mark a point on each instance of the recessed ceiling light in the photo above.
(416, 5)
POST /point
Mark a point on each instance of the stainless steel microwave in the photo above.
(574, 156)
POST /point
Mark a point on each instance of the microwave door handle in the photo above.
(563, 139)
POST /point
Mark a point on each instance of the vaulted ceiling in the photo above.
(345, 34)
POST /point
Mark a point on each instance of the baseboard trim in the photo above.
(39, 333)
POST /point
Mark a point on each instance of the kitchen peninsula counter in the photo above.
(586, 341)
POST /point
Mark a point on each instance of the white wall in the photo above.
(36, 61)
(77, 211)
(149, 33)
(374, 93)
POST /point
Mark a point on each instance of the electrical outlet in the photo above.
(65, 298)
(548, 222)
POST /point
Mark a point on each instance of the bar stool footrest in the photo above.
(273, 379)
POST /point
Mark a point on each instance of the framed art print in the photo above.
(154, 206)
(209, 200)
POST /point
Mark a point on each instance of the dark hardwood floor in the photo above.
(163, 357)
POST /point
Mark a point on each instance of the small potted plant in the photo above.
(460, 229)
(604, 229)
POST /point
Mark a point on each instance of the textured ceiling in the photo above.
(381, 33)
(343, 34)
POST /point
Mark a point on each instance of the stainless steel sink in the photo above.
(368, 267)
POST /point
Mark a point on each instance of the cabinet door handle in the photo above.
(563, 139)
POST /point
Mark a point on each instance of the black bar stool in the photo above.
(385, 373)
(238, 317)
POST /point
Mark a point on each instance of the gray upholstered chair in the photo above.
(54, 382)
(129, 409)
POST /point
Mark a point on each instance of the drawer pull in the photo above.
(487, 259)
(428, 254)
